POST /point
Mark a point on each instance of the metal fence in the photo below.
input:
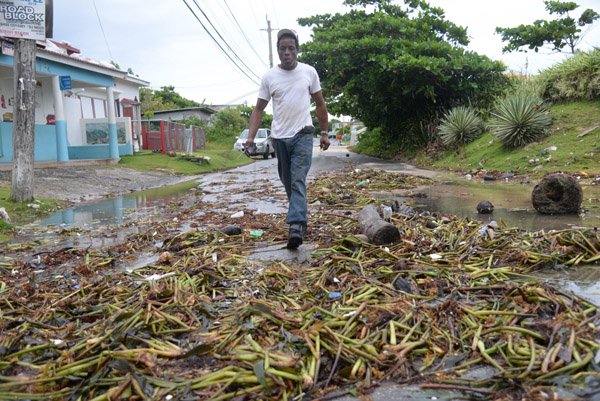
(168, 136)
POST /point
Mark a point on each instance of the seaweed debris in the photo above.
(204, 322)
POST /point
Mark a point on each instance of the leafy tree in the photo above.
(396, 67)
(168, 95)
(266, 121)
(152, 102)
(226, 125)
(163, 99)
(561, 32)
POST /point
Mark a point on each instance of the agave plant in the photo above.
(519, 119)
(459, 126)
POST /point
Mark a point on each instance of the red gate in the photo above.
(168, 136)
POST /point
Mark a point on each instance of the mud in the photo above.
(85, 183)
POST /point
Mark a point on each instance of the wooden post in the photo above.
(163, 141)
(379, 231)
(24, 121)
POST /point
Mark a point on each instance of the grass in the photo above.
(573, 154)
(23, 211)
(222, 157)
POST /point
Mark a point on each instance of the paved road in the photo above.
(229, 189)
(339, 157)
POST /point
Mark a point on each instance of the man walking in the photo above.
(291, 85)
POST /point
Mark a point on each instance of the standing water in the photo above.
(512, 205)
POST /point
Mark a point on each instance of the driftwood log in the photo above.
(377, 230)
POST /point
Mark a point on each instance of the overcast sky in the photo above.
(163, 42)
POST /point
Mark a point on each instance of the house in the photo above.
(84, 108)
(219, 107)
(203, 113)
(354, 128)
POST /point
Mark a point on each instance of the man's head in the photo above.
(287, 48)
(287, 33)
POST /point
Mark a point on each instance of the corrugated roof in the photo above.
(67, 51)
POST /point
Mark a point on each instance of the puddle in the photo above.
(144, 205)
(581, 280)
(230, 190)
(512, 204)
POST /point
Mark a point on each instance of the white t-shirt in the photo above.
(291, 93)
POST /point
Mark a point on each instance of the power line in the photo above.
(210, 85)
(102, 29)
(219, 45)
(223, 23)
(224, 41)
(232, 101)
(242, 31)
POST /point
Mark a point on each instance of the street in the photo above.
(198, 297)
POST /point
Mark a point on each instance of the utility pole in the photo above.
(269, 30)
(24, 121)
(30, 21)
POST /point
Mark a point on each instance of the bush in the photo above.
(525, 85)
(374, 143)
(519, 119)
(577, 78)
(225, 126)
(459, 126)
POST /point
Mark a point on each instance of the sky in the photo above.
(163, 43)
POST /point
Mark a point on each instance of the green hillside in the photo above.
(574, 152)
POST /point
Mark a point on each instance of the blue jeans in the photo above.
(294, 157)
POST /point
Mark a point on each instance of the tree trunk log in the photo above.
(379, 231)
(24, 121)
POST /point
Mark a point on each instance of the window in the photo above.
(261, 133)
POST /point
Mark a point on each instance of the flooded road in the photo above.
(512, 204)
(454, 195)
(255, 189)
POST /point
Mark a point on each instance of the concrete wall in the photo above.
(97, 151)
(78, 105)
(44, 142)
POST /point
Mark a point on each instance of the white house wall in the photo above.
(91, 103)
(128, 90)
(6, 92)
(44, 104)
(73, 113)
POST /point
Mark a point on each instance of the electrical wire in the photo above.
(102, 29)
(224, 41)
(242, 32)
(233, 101)
(242, 70)
(222, 84)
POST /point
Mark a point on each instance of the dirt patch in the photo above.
(80, 184)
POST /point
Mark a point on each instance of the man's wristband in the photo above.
(324, 133)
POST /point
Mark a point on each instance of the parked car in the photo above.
(262, 141)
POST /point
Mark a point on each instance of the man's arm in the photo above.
(322, 117)
(255, 120)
